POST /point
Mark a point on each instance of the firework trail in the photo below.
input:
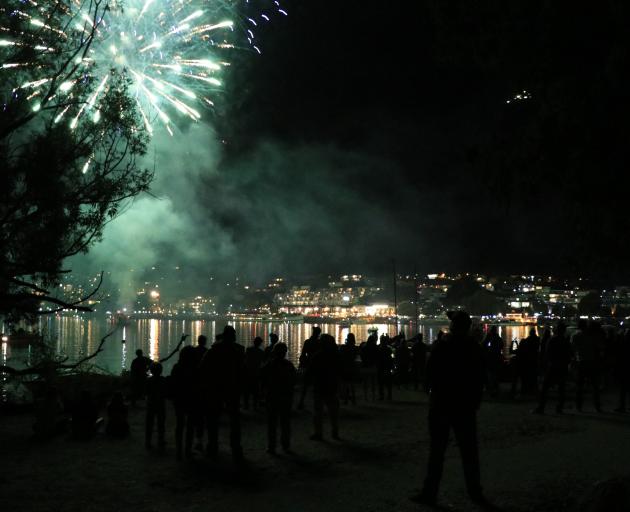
(172, 53)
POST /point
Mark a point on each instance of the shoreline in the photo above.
(238, 317)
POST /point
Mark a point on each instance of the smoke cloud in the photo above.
(276, 210)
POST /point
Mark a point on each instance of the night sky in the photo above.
(372, 131)
(419, 90)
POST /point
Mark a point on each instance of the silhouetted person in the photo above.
(418, 360)
(184, 391)
(138, 374)
(117, 417)
(608, 356)
(622, 368)
(384, 367)
(254, 358)
(588, 345)
(222, 369)
(369, 363)
(476, 332)
(200, 350)
(455, 379)
(323, 373)
(493, 349)
(49, 419)
(198, 411)
(273, 339)
(85, 420)
(544, 339)
(279, 377)
(310, 347)
(440, 337)
(156, 405)
(557, 359)
(403, 362)
(348, 355)
(542, 353)
(526, 362)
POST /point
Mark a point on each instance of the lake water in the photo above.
(77, 336)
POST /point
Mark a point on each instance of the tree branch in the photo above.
(26, 284)
(58, 365)
(21, 297)
(43, 297)
(91, 356)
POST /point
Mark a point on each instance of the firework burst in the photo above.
(172, 52)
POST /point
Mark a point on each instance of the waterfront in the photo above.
(77, 336)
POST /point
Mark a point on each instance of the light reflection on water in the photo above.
(154, 339)
(5, 377)
(75, 337)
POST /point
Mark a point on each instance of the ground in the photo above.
(529, 463)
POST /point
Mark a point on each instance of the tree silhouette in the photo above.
(60, 182)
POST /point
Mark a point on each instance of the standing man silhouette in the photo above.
(558, 354)
(455, 380)
(222, 369)
(138, 373)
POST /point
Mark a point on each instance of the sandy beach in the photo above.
(528, 463)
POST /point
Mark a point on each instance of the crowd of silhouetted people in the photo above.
(208, 382)
(226, 377)
(592, 355)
